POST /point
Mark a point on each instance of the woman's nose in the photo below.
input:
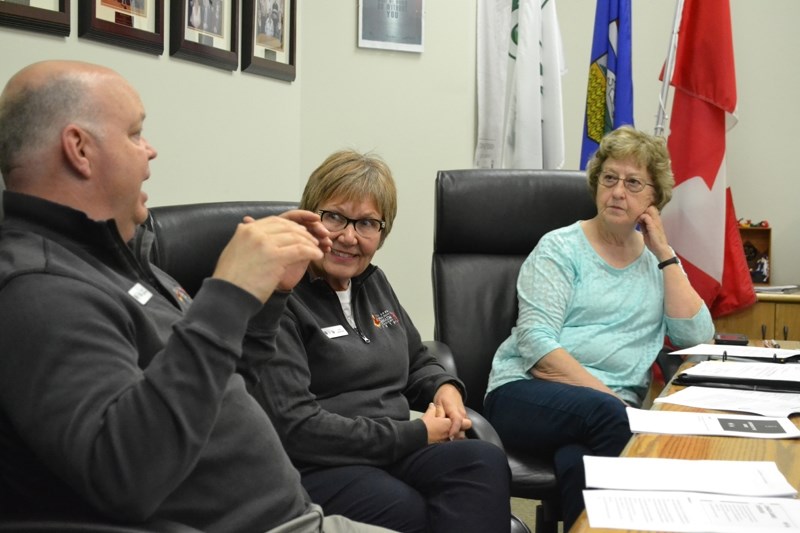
(348, 234)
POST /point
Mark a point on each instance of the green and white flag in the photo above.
(520, 64)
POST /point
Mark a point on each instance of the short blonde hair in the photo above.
(353, 176)
(648, 151)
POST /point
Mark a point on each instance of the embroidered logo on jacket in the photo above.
(182, 296)
(385, 319)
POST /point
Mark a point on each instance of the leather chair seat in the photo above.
(532, 475)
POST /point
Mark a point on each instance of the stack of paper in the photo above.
(733, 352)
(737, 478)
(777, 404)
(744, 387)
(743, 376)
(723, 425)
(689, 495)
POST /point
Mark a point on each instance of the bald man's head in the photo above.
(39, 101)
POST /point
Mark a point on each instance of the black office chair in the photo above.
(486, 224)
(190, 238)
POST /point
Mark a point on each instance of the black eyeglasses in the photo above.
(632, 184)
(366, 227)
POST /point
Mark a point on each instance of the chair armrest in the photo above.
(443, 354)
(482, 429)
(79, 526)
(668, 364)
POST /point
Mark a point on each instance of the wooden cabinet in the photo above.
(787, 321)
(757, 243)
(774, 316)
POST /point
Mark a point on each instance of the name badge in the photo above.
(334, 331)
(140, 294)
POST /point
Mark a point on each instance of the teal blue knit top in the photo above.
(611, 320)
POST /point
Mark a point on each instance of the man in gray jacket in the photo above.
(119, 398)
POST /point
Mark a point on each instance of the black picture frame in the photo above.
(121, 31)
(182, 46)
(36, 18)
(253, 63)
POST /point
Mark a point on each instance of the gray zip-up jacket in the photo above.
(117, 397)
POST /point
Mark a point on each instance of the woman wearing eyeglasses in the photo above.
(348, 367)
(596, 299)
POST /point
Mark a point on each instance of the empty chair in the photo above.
(487, 221)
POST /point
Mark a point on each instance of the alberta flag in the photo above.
(520, 64)
(609, 95)
(700, 220)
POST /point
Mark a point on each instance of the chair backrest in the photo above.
(189, 238)
(486, 224)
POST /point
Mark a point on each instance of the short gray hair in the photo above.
(649, 151)
(35, 115)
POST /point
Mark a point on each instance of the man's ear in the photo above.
(76, 146)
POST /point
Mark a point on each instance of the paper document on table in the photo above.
(753, 371)
(690, 512)
(743, 376)
(740, 478)
(777, 404)
(683, 423)
(748, 352)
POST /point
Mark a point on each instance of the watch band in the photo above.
(671, 261)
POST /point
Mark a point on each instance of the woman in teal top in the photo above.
(595, 301)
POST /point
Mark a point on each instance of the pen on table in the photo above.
(771, 344)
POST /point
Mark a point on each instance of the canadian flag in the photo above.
(700, 220)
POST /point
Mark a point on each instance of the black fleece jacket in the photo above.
(340, 395)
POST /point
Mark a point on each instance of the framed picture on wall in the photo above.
(205, 31)
(136, 24)
(45, 16)
(268, 38)
(391, 24)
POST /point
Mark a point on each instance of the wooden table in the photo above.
(785, 452)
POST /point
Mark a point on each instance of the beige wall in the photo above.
(228, 136)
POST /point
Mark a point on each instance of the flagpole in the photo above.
(661, 116)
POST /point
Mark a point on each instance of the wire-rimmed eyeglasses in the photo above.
(631, 184)
(366, 227)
